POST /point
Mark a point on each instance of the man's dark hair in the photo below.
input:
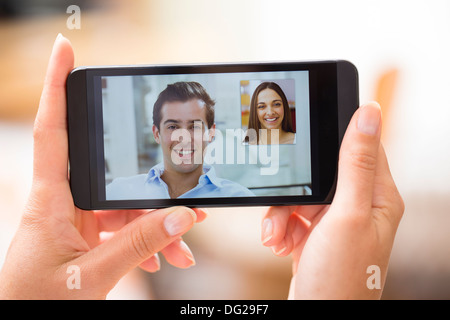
(183, 91)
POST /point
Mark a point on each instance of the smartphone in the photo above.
(210, 135)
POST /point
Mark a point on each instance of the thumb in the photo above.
(358, 158)
(134, 243)
(50, 126)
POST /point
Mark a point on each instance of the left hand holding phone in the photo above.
(54, 235)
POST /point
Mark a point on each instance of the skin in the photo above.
(183, 160)
(270, 111)
(54, 234)
(332, 246)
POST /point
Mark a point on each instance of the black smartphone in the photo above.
(208, 135)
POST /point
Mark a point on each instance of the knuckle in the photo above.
(364, 161)
(38, 131)
(392, 206)
(141, 244)
(395, 201)
(400, 204)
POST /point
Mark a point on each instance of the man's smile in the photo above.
(185, 152)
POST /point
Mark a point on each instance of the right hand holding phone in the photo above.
(334, 247)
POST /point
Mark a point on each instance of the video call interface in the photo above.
(248, 137)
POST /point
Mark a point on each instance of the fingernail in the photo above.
(202, 210)
(155, 259)
(369, 119)
(267, 229)
(187, 252)
(206, 211)
(59, 37)
(278, 251)
(179, 221)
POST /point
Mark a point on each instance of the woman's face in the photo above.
(270, 109)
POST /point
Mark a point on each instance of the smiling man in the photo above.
(183, 125)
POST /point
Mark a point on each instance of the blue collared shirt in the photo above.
(151, 186)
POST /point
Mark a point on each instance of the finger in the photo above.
(97, 226)
(358, 159)
(274, 225)
(202, 213)
(309, 212)
(152, 264)
(296, 230)
(114, 220)
(137, 241)
(301, 229)
(285, 246)
(50, 128)
(276, 219)
(179, 254)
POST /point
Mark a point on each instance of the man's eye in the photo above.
(172, 127)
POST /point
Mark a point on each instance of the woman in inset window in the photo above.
(269, 110)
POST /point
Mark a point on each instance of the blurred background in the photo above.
(400, 48)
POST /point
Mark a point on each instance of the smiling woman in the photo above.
(269, 110)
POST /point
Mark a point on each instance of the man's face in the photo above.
(181, 133)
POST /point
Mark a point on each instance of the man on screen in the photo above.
(183, 125)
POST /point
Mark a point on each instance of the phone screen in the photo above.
(212, 146)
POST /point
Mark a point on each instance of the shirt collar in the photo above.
(156, 172)
(210, 174)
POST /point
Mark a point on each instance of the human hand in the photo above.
(333, 245)
(54, 234)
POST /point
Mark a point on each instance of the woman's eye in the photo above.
(277, 104)
(261, 106)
